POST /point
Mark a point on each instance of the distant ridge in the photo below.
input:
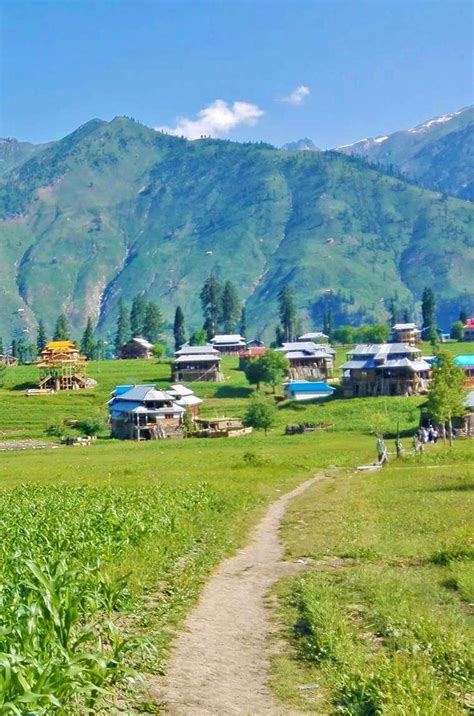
(301, 145)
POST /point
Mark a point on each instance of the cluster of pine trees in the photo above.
(143, 320)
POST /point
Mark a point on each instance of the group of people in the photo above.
(422, 437)
(428, 435)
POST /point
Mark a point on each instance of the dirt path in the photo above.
(220, 664)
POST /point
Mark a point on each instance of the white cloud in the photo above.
(298, 95)
(216, 120)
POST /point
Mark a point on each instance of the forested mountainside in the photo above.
(438, 154)
(116, 208)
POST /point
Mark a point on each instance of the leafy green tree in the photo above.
(159, 350)
(243, 322)
(275, 365)
(344, 334)
(428, 309)
(287, 311)
(198, 338)
(188, 423)
(87, 340)
(25, 351)
(372, 333)
(255, 372)
(446, 394)
(230, 307)
(153, 324)
(61, 329)
(41, 338)
(211, 302)
(137, 316)
(457, 331)
(259, 414)
(178, 328)
(122, 334)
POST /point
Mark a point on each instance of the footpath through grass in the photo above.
(381, 619)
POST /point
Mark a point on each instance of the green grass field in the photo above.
(105, 548)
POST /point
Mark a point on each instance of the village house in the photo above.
(309, 360)
(466, 362)
(185, 397)
(301, 390)
(136, 348)
(255, 343)
(463, 425)
(405, 333)
(220, 428)
(197, 363)
(62, 367)
(469, 330)
(230, 344)
(385, 369)
(140, 412)
(250, 353)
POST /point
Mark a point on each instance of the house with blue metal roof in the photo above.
(141, 412)
(466, 362)
(302, 390)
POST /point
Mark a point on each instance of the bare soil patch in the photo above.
(220, 663)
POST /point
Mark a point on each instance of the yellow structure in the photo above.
(62, 367)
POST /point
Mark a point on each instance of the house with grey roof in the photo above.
(229, 344)
(141, 412)
(197, 363)
(405, 333)
(308, 360)
(385, 369)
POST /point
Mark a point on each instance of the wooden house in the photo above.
(62, 367)
(308, 360)
(466, 362)
(469, 330)
(303, 390)
(141, 412)
(229, 344)
(197, 363)
(385, 369)
(255, 343)
(405, 333)
(185, 397)
(136, 348)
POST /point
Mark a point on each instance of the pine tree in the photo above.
(87, 341)
(428, 308)
(393, 313)
(243, 322)
(463, 316)
(287, 311)
(61, 329)
(178, 328)
(230, 307)
(1, 346)
(279, 336)
(327, 323)
(153, 323)
(41, 338)
(123, 326)
(137, 315)
(406, 316)
(211, 302)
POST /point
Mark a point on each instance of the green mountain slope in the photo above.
(438, 154)
(13, 153)
(117, 208)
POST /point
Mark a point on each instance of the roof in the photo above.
(406, 327)
(121, 389)
(469, 323)
(307, 346)
(198, 358)
(253, 351)
(312, 336)
(307, 386)
(142, 341)
(60, 346)
(188, 400)
(180, 390)
(144, 393)
(228, 338)
(187, 349)
(465, 361)
(379, 350)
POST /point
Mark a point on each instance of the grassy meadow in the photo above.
(103, 549)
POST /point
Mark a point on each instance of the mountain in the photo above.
(13, 153)
(116, 208)
(301, 145)
(438, 154)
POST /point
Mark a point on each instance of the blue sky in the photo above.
(358, 68)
